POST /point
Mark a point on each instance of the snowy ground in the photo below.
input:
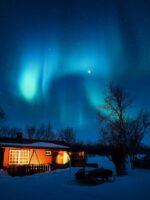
(61, 185)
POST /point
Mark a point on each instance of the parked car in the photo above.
(142, 162)
(94, 176)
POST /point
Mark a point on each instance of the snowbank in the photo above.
(61, 184)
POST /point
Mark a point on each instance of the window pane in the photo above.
(19, 157)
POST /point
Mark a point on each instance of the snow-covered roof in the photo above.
(35, 144)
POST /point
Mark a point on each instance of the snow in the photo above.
(60, 184)
(35, 144)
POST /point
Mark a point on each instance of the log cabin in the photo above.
(36, 154)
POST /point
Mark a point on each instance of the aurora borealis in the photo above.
(57, 56)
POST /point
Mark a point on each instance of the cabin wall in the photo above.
(1, 157)
(36, 156)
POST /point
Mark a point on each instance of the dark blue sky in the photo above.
(57, 56)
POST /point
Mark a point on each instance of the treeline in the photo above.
(10, 132)
(102, 149)
(42, 132)
(45, 132)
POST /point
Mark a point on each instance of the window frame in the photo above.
(18, 160)
(48, 152)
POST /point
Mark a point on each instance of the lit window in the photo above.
(81, 153)
(48, 153)
(62, 157)
(18, 157)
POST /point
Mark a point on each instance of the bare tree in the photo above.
(6, 131)
(14, 131)
(67, 135)
(40, 134)
(136, 130)
(31, 131)
(49, 133)
(2, 118)
(116, 129)
(2, 114)
(44, 132)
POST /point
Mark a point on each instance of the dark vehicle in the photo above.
(93, 177)
(142, 162)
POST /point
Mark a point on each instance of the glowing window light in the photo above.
(62, 157)
(81, 153)
(18, 157)
(48, 153)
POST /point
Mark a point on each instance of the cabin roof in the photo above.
(34, 145)
(15, 142)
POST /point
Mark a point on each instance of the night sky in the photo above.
(57, 56)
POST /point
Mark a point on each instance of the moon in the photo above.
(89, 71)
